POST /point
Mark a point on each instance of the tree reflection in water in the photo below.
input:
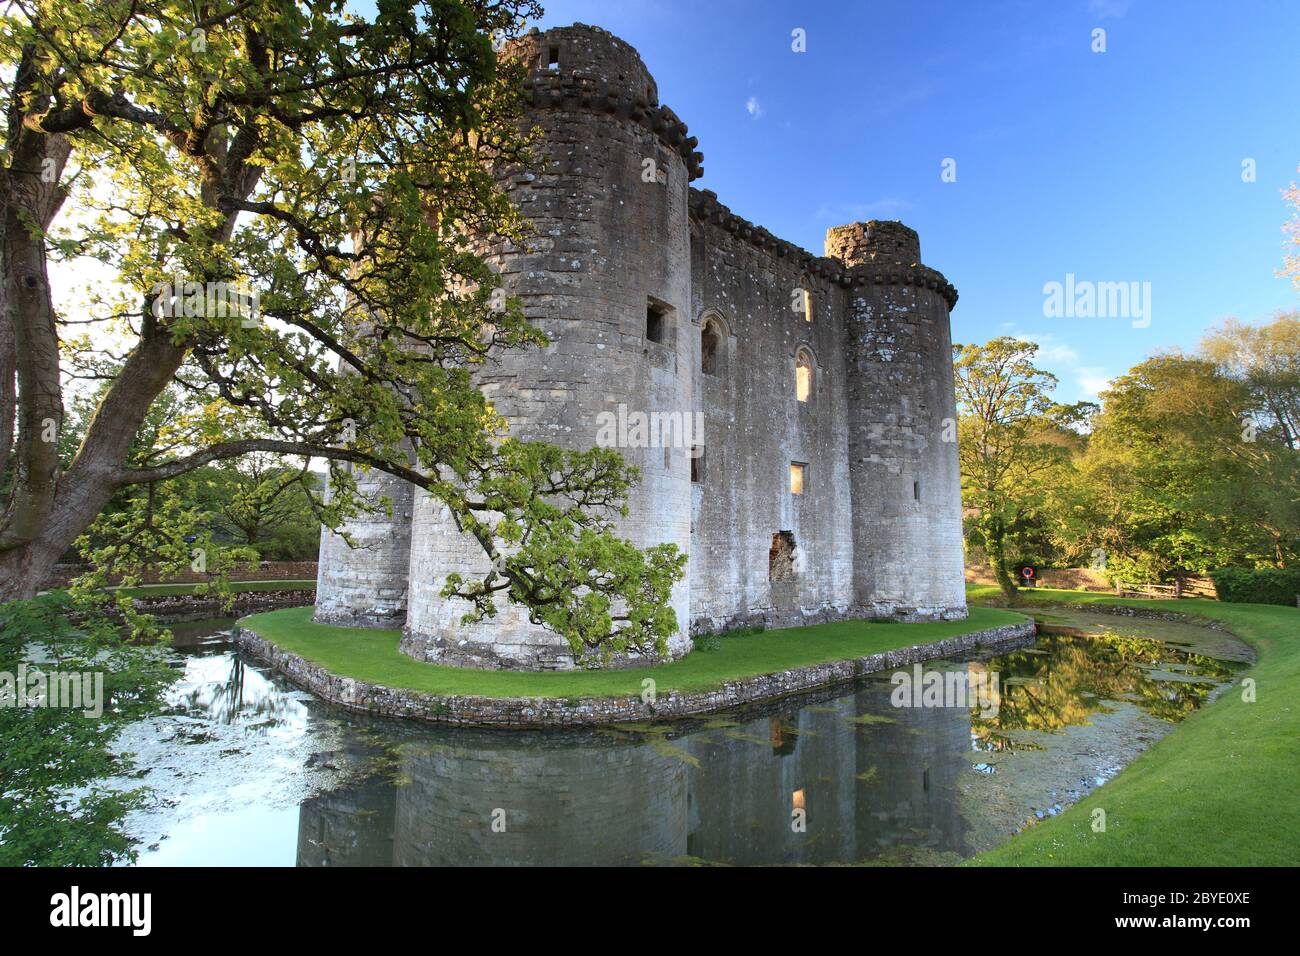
(1065, 678)
(839, 775)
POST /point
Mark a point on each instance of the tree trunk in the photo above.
(995, 548)
(23, 570)
(31, 196)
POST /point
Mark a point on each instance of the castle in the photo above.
(825, 483)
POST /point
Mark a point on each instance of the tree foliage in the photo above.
(1014, 443)
(56, 808)
(340, 169)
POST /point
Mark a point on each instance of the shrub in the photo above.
(1258, 585)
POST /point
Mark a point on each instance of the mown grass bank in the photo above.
(1218, 791)
(372, 656)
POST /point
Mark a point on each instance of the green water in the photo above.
(248, 770)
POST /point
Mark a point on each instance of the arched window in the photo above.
(803, 375)
(710, 343)
(806, 288)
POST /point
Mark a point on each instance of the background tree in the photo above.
(1179, 479)
(260, 502)
(1015, 447)
(1266, 360)
(344, 170)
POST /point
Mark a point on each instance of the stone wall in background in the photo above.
(265, 571)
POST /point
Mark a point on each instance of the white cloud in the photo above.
(1050, 348)
(1092, 380)
(1063, 361)
(754, 108)
(886, 207)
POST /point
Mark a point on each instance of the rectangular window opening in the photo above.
(798, 477)
(697, 464)
(656, 322)
(553, 58)
(916, 490)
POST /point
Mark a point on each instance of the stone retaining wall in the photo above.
(544, 712)
(178, 608)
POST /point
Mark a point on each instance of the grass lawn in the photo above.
(372, 655)
(176, 590)
(1221, 790)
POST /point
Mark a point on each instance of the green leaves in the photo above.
(54, 807)
(1014, 445)
(345, 171)
(552, 512)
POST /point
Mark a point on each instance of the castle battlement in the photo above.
(825, 484)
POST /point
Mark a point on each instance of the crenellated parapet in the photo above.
(589, 69)
(859, 254)
(885, 252)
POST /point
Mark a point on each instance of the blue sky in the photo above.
(1122, 166)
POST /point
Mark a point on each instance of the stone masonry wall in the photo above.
(755, 428)
(608, 243)
(537, 712)
(876, 530)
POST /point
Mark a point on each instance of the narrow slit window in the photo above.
(697, 464)
(709, 343)
(916, 491)
(803, 376)
(798, 477)
(807, 304)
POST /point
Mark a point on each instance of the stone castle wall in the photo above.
(657, 299)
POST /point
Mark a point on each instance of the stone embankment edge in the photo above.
(526, 713)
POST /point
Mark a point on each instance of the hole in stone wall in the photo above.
(780, 558)
(697, 464)
(553, 58)
(782, 743)
(916, 490)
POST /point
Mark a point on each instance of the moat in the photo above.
(248, 770)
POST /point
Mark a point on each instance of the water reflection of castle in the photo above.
(726, 794)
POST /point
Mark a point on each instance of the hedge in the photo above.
(1258, 585)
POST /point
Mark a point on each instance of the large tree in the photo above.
(1015, 444)
(342, 171)
(1184, 474)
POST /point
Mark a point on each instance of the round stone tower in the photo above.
(606, 276)
(364, 584)
(903, 471)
